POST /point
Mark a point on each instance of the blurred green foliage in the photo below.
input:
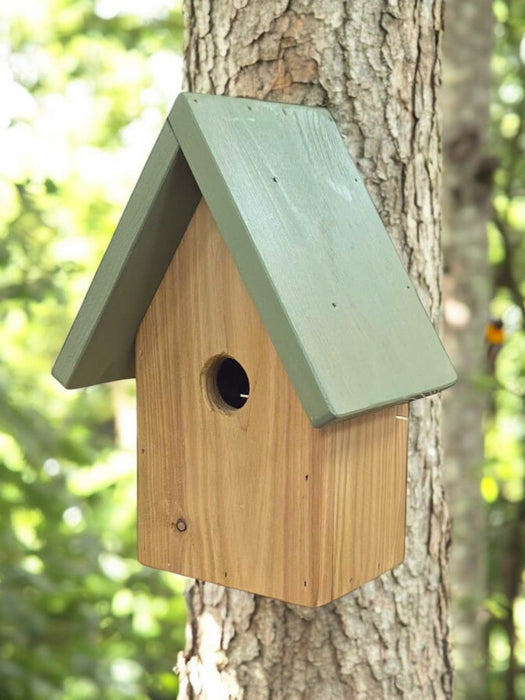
(503, 483)
(84, 87)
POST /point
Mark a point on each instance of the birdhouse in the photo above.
(276, 341)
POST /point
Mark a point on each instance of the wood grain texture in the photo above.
(271, 504)
(100, 345)
(313, 252)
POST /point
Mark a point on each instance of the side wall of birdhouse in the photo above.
(253, 497)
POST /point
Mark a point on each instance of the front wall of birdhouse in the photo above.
(253, 497)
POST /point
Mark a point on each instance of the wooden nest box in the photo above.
(276, 340)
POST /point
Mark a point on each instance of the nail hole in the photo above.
(334, 305)
(225, 574)
(306, 477)
(181, 525)
(304, 584)
(274, 179)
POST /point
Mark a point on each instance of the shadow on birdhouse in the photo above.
(276, 340)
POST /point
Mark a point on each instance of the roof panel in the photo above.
(313, 252)
(100, 344)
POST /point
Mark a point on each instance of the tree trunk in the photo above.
(375, 65)
(468, 170)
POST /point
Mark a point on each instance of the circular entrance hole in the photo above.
(228, 384)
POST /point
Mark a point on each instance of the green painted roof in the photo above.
(308, 243)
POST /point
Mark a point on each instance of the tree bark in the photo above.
(468, 169)
(375, 64)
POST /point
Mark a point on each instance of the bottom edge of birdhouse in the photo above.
(308, 597)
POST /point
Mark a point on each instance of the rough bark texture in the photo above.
(467, 189)
(375, 65)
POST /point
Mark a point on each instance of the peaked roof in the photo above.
(308, 243)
